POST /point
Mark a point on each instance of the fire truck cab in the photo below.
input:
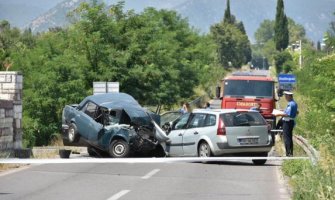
(243, 90)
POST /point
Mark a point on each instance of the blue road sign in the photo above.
(286, 78)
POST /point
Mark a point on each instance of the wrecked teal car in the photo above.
(112, 123)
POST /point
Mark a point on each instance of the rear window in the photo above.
(243, 119)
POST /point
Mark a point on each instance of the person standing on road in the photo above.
(290, 113)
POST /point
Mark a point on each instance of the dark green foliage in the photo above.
(233, 45)
(316, 82)
(281, 34)
(281, 59)
(265, 32)
(155, 55)
(227, 15)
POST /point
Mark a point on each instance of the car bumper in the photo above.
(223, 147)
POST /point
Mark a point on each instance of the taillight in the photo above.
(221, 128)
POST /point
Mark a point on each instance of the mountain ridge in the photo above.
(314, 16)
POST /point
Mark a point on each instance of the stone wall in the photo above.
(10, 110)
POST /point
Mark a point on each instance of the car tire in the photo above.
(72, 133)
(119, 149)
(204, 150)
(260, 161)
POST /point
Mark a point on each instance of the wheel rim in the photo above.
(119, 149)
(71, 134)
(204, 150)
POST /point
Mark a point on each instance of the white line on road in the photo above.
(150, 174)
(118, 195)
(138, 160)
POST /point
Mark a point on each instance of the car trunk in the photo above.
(245, 129)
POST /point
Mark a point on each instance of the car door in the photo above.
(195, 129)
(175, 146)
(86, 124)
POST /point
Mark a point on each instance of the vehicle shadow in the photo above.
(237, 163)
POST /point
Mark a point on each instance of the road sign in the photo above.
(286, 78)
(105, 87)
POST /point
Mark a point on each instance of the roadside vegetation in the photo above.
(155, 55)
(314, 93)
(160, 60)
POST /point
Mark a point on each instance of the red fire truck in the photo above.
(243, 90)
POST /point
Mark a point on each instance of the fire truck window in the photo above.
(248, 88)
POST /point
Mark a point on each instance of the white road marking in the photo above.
(139, 160)
(150, 174)
(118, 195)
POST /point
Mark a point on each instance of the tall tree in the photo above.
(281, 36)
(233, 45)
(227, 15)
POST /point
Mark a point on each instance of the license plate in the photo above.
(248, 140)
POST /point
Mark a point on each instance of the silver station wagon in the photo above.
(220, 132)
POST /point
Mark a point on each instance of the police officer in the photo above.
(290, 113)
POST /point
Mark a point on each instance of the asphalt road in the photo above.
(238, 180)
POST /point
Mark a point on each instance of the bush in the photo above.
(314, 183)
(294, 167)
(280, 59)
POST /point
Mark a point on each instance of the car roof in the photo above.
(252, 78)
(104, 99)
(120, 101)
(221, 111)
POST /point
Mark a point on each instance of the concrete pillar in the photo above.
(11, 84)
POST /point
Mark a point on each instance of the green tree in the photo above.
(227, 15)
(296, 31)
(265, 32)
(233, 45)
(281, 34)
(155, 55)
(281, 59)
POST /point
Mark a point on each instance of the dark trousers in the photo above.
(287, 134)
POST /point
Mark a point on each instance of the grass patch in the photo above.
(5, 167)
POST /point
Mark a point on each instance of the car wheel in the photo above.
(204, 150)
(119, 149)
(72, 133)
(260, 161)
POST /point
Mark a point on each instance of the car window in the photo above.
(198, 120)
(182, 121)
(210, 120)
(114, 117)
(169, 117)
(90, 109)
(243, 119)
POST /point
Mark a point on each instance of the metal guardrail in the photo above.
(312, 153)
